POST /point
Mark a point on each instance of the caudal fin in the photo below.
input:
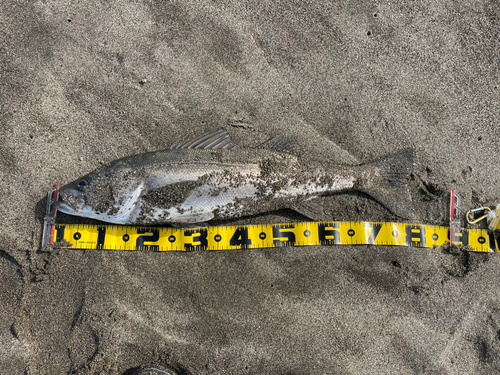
(389, 185)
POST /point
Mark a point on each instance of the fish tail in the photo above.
(389, 183)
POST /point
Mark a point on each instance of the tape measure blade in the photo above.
(130, 238)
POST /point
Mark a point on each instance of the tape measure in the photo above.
(123, 237)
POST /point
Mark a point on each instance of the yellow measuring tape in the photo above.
(122, 237)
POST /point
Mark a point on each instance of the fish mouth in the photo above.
(85, 211)
(70, 200)
(73, 203)
(63, 207)
(120, 217)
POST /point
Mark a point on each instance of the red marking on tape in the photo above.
(452, 209)
(56, 197)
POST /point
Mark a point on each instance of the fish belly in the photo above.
(252, 195)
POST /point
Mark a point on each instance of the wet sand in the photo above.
(83, 83)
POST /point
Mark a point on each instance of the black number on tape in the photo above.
(415, 235)
(460, 237)
(494, 245)
(240, 238)
(278, 233)
(154, 236)
(60, 233)
(374, 233)
(325, 234)
(101, 236)
(202, 238)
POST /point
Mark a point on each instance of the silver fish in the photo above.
(208, 178)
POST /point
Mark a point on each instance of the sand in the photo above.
(85, 82)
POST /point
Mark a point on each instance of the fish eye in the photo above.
(82, 183)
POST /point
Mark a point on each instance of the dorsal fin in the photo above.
(279, 143)
(207, 141)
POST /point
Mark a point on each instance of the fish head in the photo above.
(108, 194)
(73, 198)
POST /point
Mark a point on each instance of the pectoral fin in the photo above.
(190, 218)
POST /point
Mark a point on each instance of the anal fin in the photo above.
(311, 207)
(279, 144)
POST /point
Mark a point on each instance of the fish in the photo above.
(209, 178)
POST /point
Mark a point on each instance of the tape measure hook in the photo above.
(50, 216)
